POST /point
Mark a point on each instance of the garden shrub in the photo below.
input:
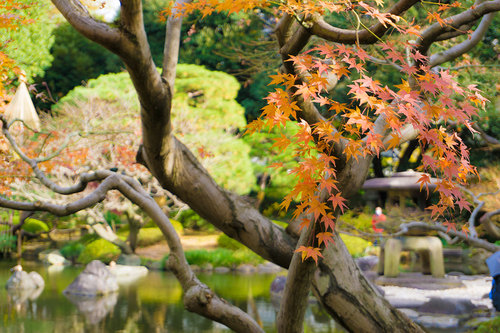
(7, 242)
(227, 242)
(149, 236)
(101, 250)
(222, 257)
(72, 250)
(355, 245)
(35, 226)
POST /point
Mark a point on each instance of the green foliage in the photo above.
(280, 182)
(189, 219)
(76, 60)
(149, 236)
(99, 249)
(7, 242)
(205, 116)
(35, 226)
(222, 257)
(489, 326)
(359, 220)
(227, 242)
(72, 250)
(355, 245)
(30, 44)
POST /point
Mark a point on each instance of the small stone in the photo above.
(278, 285)
(54, 257)
(454, 306)
(367, 263)
(438, 321)
(400, 302)
(269, 268)
(221, 270)
(246, 269)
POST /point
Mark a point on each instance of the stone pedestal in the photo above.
(429, 248)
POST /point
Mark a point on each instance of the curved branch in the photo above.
(324, 30)
(489, 226)
(464, 47)
(79, 17)
(431, 34)
(474, 241)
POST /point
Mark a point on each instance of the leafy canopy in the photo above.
(378, 117)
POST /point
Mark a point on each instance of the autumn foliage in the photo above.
(378, 118)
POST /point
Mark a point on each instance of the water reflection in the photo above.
(153, 304)
(94, 308)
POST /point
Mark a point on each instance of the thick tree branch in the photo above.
(464, 47)
(324, 30)
(294, 301)
(79, 17)
(172, 43)
(489, 226)
(431, 34)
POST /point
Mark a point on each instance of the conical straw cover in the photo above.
(21, 107)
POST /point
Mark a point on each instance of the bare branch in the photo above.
(172, 42)
(464, 47)
(489, 226)
(431, 34)
(324, 30)
(79, 17)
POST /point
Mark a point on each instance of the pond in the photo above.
(151, 304)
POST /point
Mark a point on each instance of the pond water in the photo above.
(151, 304)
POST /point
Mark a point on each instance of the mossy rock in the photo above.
(35, 226)
(100, 249)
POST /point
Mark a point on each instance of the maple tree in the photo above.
(336, 142)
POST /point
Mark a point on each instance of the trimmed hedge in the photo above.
(99, 249)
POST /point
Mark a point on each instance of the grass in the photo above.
(222, 257)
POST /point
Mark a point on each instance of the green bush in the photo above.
(149, 236)
(99, 249)
(7, 242)
(72, 250)
(489, 326)
(361, 221)
(227, 242)
(222, 257)
(355, 245)
(35, 226)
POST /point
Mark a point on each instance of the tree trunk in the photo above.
(350, 298)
